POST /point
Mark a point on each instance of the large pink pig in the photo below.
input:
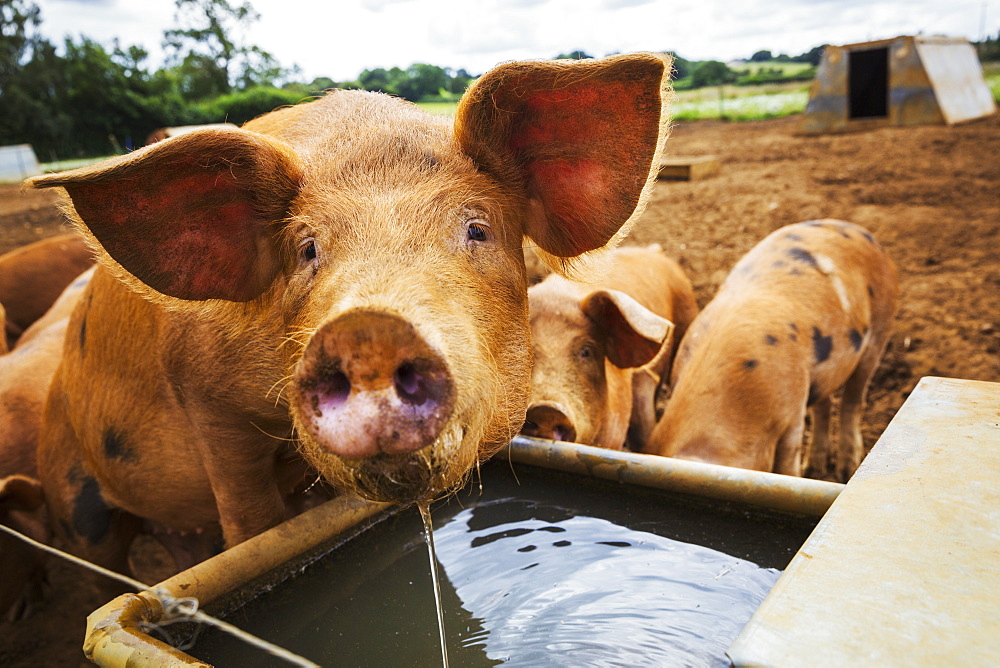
(342, 279)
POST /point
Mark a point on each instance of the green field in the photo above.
(741, 103)
(787, 69)
(991, 71)
(738, 103)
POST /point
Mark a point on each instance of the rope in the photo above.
(174, 609)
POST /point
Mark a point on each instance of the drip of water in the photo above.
(425, 514)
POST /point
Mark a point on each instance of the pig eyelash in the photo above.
(307, 249)
(478, 231)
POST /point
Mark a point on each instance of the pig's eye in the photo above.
(586, 352)
(307, 250)
(478, 232)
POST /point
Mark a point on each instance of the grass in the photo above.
(787, 69)
(991, 72)
(439, 108)
(63, 165)
(741, 103)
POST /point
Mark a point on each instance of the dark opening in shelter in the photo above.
(868, 89)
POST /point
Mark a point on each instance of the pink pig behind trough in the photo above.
(343, 279)
(601, 349)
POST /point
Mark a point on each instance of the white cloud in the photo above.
(339, 39)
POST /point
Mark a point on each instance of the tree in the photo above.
(761, 57)
(209, 59)
(422, 81)
(813, 56)
(19, 19)
(573, 55)
(711, 73)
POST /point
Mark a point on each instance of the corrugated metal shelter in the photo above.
(18, 162)
(909, 80)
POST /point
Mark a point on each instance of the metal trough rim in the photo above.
(115, 635)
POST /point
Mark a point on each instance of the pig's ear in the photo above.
(581, 137)
(192, 217)
(18, 492)
(634, 334)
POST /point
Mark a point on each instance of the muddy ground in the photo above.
(931, 195)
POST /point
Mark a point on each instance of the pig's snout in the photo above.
(547, 421)
(370, 384)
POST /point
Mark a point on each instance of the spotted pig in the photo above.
(804, 315)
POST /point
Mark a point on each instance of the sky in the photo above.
(340, 38)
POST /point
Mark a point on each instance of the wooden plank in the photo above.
(689, 168)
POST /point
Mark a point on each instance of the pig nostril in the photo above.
(410, 385)
(335, 389)
(529, 428)
(561, 433)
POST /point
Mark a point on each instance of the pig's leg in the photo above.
(788, 452)
(852, 447)
(819, 452)
(246, 492)
(643, 419)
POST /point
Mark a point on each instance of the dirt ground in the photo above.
(931, 195)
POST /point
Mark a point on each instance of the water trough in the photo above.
(624, 554)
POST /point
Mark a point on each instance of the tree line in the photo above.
(87, 99)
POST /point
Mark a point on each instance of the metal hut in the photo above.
(908, 80)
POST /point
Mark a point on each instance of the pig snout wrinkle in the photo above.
(369, 384)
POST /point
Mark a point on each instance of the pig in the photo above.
(337, 287)
(25, 375)
(33, 276)
(804, 315)
(601, 349)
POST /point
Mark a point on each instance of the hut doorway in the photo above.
(868, 83)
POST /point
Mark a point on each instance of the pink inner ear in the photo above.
(192, 236)
(580, 148)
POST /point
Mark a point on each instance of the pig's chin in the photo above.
(412, 477)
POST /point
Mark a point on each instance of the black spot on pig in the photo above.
(770, 340)
(871, 292)
(779, 264)
(802, 255)
(792, 236)
(115, 446)
(92, 517)
(794, 336)
(750, 365)
(856, 339)
(83, 336)
(814, 395)
(867, 235)
(822, 345)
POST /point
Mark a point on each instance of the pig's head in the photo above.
(587, 342)
(380, 250)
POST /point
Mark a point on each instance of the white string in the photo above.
(175, 609)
